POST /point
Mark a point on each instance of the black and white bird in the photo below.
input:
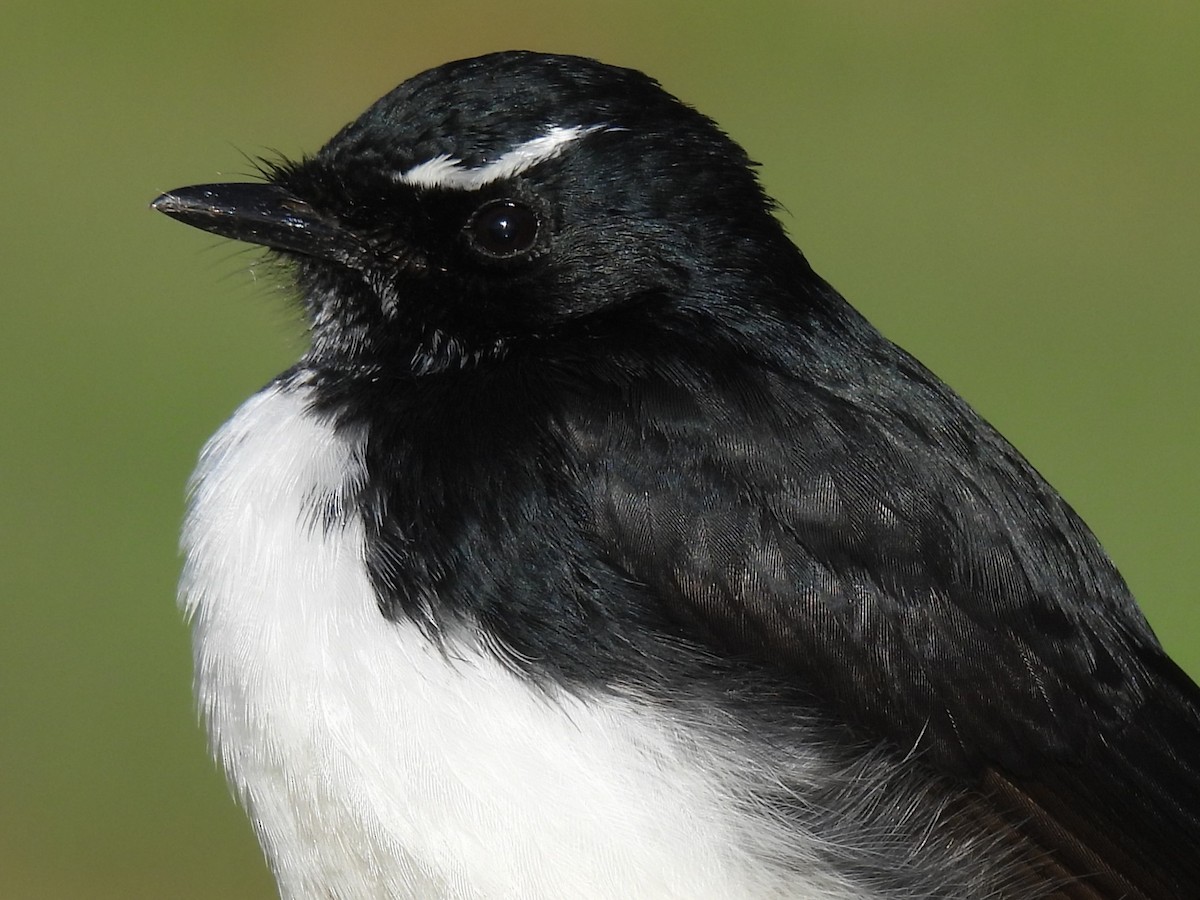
(597, 548)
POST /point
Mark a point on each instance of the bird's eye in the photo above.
(503, 229)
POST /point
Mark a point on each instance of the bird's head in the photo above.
(496, 203)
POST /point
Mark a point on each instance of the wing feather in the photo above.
(883, 550)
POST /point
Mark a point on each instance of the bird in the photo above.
(597, 547)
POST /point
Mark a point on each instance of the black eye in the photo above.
(503, 229)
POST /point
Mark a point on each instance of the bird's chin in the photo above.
(442, 352)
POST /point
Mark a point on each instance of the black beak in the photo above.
(260, 214)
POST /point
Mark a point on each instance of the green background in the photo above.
(1010, 190)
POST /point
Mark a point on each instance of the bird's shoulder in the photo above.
(866, 535)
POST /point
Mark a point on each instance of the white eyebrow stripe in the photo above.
(447, 172)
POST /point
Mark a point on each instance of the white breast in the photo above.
(374, 765)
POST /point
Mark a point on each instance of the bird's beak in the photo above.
(259, 214)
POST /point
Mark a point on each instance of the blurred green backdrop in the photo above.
(1011, 191)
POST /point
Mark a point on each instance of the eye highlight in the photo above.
(503, 229)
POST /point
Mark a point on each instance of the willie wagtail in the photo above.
(597, 548)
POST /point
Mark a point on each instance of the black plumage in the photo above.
(651, 450)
